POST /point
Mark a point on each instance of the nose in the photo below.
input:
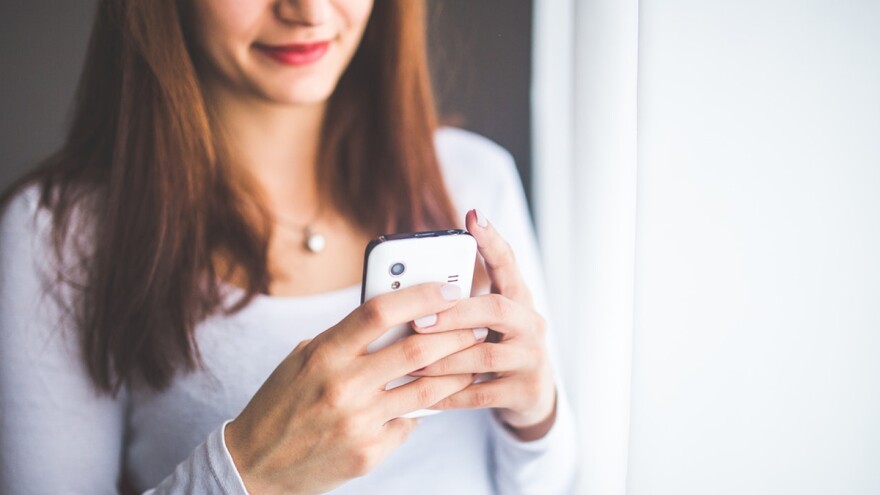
(306, 12)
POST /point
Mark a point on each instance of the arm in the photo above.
(540, 455)
(545, 465)
(209, 469)
(57, 433)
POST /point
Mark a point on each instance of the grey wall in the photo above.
(41, 53)
(481, 58)
(480, 51)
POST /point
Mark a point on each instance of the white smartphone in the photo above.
(394, 262)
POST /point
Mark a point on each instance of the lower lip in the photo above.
(296, 55)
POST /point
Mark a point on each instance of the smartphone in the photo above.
(394, 262)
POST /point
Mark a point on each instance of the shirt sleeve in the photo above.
(547, 465)
(209, 469)
(58, 434)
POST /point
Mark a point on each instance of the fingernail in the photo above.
(480, 333)
(482, 221)
(425, 321)
(450, 292)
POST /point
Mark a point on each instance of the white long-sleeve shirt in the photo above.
(58, 435)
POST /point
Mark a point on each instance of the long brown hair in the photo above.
(142, 159)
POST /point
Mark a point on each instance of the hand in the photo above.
(523, 391)
(323, 416)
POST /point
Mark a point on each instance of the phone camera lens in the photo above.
(397, 269)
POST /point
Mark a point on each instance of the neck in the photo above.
(278, 146)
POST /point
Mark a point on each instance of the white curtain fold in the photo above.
(584, 97)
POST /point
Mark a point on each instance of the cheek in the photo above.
(355, 13)
(224, 26)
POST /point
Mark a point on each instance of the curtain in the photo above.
(585, 62)
(720, 329)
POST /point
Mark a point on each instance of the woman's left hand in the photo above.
(523, 390)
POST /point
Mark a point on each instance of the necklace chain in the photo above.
(313, 241)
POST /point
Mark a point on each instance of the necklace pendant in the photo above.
(315, 242)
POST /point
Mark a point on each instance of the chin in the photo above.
(307, 99)
(301, 93)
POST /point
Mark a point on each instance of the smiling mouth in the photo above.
(295, 54)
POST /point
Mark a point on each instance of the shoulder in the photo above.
(27, 235)
(465, 153)
(20, 220)
(458, 146)
(478, 172)
(24, 256)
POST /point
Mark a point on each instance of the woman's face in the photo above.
(284, 51)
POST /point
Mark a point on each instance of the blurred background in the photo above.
(704, 180)
(480, 53)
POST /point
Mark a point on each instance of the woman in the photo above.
(169, 319)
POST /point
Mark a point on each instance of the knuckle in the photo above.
(349, 430)
(302, 345)
(509, 249)
(446, 403)
(532, 389)
(415, 352)
(362, 460)
(452, 315)
(374, 311)
(335, 394)
(299, 355)
(316, 357)
(427, 393)
(527, 359)
(441, 367)
(430, 291)
(464, 339)
(505, 254)
(489, 357)
(500, 306)
(483, 398)
(408, 430)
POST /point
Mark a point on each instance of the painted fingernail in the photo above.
(482, 221)
(480, 333)
(450, 292)
(425, 321)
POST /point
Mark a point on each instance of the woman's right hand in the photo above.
(323, 416)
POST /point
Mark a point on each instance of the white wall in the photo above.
(756, 349)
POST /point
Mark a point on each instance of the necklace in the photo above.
(313, 241)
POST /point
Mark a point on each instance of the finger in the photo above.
(494, 311)
(482, 358)
(498, 255)
(422, 393)
(395, 432)
(495, 393)
(373, 318)
(412, 353)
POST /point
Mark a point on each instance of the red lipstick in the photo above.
(296, 54)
